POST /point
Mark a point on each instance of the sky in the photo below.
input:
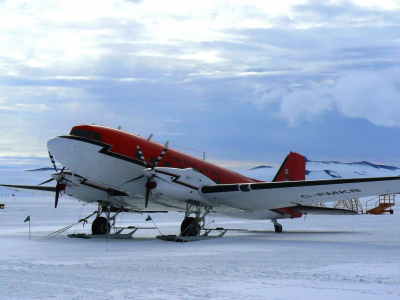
(244, 81)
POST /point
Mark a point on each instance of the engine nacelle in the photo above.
(181, 184)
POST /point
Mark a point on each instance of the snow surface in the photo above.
(319, 257)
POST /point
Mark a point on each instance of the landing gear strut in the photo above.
(191, 226)
(102, 225)
(277, 226)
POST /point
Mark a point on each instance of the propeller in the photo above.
(54, 166)
(52, 161)
(57, 194)
(58, 188)
(58, 185)
(51, 179)
(149, 172)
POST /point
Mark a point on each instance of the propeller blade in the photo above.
(57, 194)
(160, 156)
(162, 179)
(51, 179)
(52, 161)
(134, 179)
(147, 193)
(142, 157)
(149, 173)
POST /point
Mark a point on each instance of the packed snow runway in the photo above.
(341, 257)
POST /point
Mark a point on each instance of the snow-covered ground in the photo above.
(319, 257)
(329, 257)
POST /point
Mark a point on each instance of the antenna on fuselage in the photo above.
(119, 127)
(150, 136)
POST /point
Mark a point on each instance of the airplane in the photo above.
(123, 172)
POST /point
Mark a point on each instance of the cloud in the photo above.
(368, 95)
(239, 73)
(24, 107)
(305, 105)
(344, 13)
(373, 96)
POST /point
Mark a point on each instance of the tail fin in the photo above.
(292, 168)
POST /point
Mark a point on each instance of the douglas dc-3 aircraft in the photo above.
(124, 172)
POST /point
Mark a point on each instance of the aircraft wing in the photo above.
(272, 195)
(36, 189)
(317, 210)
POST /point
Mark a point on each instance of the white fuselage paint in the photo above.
(85, 159)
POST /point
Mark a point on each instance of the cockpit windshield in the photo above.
(87, 134)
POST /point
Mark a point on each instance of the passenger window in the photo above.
(97, 136)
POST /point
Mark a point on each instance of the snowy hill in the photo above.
(329, 170)
(333, 169)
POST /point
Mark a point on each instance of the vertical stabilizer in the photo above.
(293, 168)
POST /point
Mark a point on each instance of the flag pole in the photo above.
(150, 219)
(28, 218)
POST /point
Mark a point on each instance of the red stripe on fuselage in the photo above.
(125, 144)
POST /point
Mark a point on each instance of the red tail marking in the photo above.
(293, 168)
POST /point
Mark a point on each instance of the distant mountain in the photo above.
(365, 163)
(316, 170)
(361, 163)
(40, 169)
(262, 167)
(331, 173)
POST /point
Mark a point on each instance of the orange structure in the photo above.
(383, 204)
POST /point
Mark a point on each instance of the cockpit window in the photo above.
(87, 134)
(83, 133)
(97, 136)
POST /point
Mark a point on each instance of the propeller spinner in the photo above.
(57, 176)
(149, 172)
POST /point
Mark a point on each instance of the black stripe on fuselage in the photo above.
(95, 186)
(221, 188)
(176, 179)
(105, 149)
